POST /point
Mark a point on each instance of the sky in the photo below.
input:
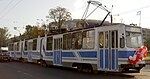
(19, 13)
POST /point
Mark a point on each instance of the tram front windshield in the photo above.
(133, 39)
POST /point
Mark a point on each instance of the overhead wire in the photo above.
(3, 10)
(10, 9)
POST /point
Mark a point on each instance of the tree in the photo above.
(4, 36)
(33, 31)
(147, 43)
(59, 15)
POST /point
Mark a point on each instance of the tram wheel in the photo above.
(90, 69)
(126, 69)
(95, 71)
(22, 60)
(79, 67)
(87, 68)
(138, 70)
(43, 63)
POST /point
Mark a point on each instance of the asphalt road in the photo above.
(144, 74)
(16, 70)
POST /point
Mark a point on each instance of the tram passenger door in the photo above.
(57, 56)
(15, 51)
(21, 48)
(29, 47)
(108, 44)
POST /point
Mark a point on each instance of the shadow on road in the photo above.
(64, 72)
(99, 74)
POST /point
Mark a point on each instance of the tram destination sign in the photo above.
(133, 29)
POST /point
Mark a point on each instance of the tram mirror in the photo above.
(122, 35)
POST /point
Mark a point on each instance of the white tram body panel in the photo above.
(16, 54)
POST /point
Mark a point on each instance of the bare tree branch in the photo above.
(60, 16)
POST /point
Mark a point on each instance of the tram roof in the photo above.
(63, 30)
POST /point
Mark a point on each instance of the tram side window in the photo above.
(101, 40)
(116, 39)
(55, 43)
(113, 39)
(21, 46)
(88, 39)
(25, 47)
(49, 43)
(34, 44)
(60, 43)
(17, 46)
(106, 39)
(30, 44)
(10, 47)
(77, 40)
(122, 42)
(67, 41)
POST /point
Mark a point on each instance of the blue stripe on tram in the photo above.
(125, 54)
(106, 58)
(48, 53)
(117, 59)
(25, 53)
(101, 58)
(88, 54)
(68, 54)
(113, 58)
(36, 53)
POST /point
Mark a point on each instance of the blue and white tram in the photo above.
(105, 48)
(32, 50)
(14, 49)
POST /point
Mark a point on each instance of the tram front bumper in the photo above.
(131, 67)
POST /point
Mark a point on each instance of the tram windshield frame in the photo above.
(133, 37)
